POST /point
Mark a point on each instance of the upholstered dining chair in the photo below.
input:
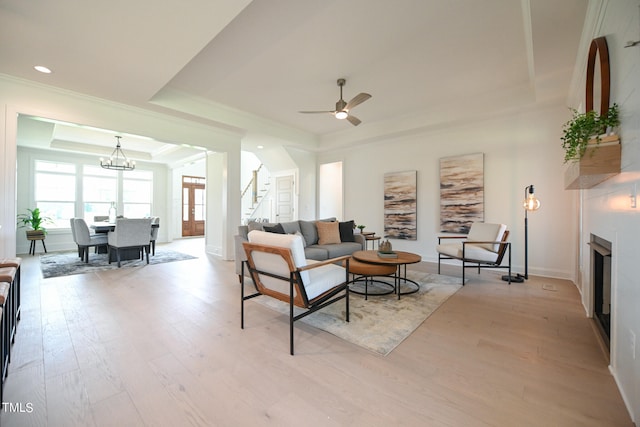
(484, 247)
(130, 234)
(279, 269)
(155, 220)
(85, 239)
(75, 239)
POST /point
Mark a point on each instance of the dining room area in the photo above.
(117, 238)
(82, 196)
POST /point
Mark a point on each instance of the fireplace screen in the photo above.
(601, 282)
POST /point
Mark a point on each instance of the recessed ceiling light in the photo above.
(260, 147)
(42, 69)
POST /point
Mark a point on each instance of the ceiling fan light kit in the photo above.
(343, 108)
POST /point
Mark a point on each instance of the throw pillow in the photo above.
(346, 231)
(310, 231)
(275, 229)
(328, 233)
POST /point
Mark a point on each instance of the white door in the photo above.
(284, 198)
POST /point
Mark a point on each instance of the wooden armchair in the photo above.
(484, 247)
(279, 269)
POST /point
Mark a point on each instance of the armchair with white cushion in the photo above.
(278, 268)
(484, 247)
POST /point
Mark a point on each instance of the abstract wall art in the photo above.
(400, 204)
(461, 192)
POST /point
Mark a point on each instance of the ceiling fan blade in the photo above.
(358, 99)
(353, 120)
(316, 112)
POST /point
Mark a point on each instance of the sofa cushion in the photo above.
(316, 252)
(309, 231)
(291, 227)
(344, 248)
(328, 233)
(346, 231)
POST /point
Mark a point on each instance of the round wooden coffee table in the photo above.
(402, 259)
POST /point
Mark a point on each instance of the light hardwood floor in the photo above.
(161, 345)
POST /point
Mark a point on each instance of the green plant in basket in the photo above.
(584, 127)
(34, 220)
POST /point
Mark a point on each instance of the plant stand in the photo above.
(34, 236)
(599, 163)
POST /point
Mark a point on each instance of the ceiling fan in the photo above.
(343, 109)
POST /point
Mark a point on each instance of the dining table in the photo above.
(125, 253)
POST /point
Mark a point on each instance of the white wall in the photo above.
(330, 191)
(607, 209)
(520, 149)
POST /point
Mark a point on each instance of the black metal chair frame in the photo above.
(295, 283)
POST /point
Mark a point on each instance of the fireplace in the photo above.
(601, 284)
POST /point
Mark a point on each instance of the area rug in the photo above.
(58, 264)
(380, 323)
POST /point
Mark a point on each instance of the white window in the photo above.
(99, 191)
(55, 191)
(137, 189)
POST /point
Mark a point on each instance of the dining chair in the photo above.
(134, 233)
(155, 220)
(85, 239)
(75, 239)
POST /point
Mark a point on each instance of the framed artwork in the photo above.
(461, 192)
(400, 204)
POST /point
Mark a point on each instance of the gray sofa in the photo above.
(309, 232)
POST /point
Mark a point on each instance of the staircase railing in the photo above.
(254, 192)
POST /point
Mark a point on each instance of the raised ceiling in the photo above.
(244, 64)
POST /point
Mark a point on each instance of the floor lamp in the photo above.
(531, 203)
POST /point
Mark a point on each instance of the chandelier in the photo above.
(118, 161)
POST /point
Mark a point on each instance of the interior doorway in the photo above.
(193, 205)
(284, 198)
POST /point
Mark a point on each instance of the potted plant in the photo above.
(361, 227)
(586, 127)
(35, 221)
